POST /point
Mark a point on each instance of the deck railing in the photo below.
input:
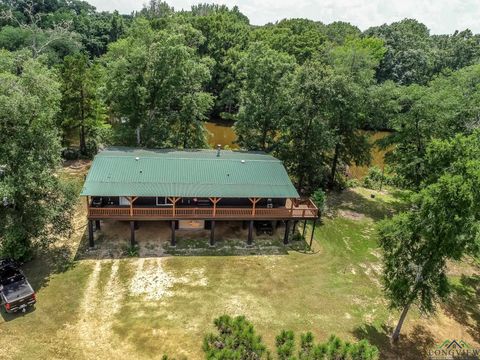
(306, 210)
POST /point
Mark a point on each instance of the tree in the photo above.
(156, 9)
(266, 74)
(450, 104)
(57, 39)
(125, 88)
(413, 129)
(301, 38)
(338, 32)
(81, 107)
(154, 86)
(443, 224)
(354, 64)
(226, 33)
(305, 138)
(36, 205)
(410, 54)
(456, 51)
(236, 339)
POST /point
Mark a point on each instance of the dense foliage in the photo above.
(444, 224)
(154, 86)
(237, 339)
(35, 203)
(300, 89)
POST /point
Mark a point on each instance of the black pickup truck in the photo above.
(16, 294)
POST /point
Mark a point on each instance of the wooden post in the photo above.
(287, 231)
(88, 205)
(250, 233)
(131, 199)
(304, 228)
(132, 233)
(173, 200)
(313, 230)
(212, 233)
(97, 225)
(173, 241)
(91, 241)
(215, 201)
(254, 202)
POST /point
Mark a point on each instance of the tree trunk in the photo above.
(83, 145)
(396, 332)
(185, 135)
(137, 133)
(334, 164)
(264, 136)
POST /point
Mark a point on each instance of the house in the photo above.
(191, 188)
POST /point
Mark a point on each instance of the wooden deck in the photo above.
(303, 210)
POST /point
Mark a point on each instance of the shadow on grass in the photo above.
(46, 263)
(226, 247)
(39, 270)
(463, 304)
(413, 346)
(374, 208)
(13, 316)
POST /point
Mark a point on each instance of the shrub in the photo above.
(71, 154)
(132, 251)
(334, 349)
(375, 178)
(319, 198)
(285, 343)
(351, 183)
(298, 237)
(236, 339)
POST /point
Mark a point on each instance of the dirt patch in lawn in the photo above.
(352, 215)
(150, 280)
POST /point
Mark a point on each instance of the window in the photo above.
(163, 201)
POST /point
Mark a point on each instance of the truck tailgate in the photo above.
(17, 291)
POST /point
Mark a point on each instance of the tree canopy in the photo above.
(35, 204)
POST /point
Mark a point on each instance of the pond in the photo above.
(224, 135)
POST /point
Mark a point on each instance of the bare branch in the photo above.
(39, 43)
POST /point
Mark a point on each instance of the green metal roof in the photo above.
(187, 173)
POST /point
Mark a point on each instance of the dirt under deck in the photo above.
(153, 239)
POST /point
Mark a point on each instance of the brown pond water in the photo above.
(225, 136)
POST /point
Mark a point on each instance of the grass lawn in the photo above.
(147, 307)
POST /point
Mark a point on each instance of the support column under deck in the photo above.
(304, 228)
(132, 233)
(287, 231)
(250, 233)
(313, 231)
(97, 225)
(212, 233)
(173, 240)
(91, 241)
